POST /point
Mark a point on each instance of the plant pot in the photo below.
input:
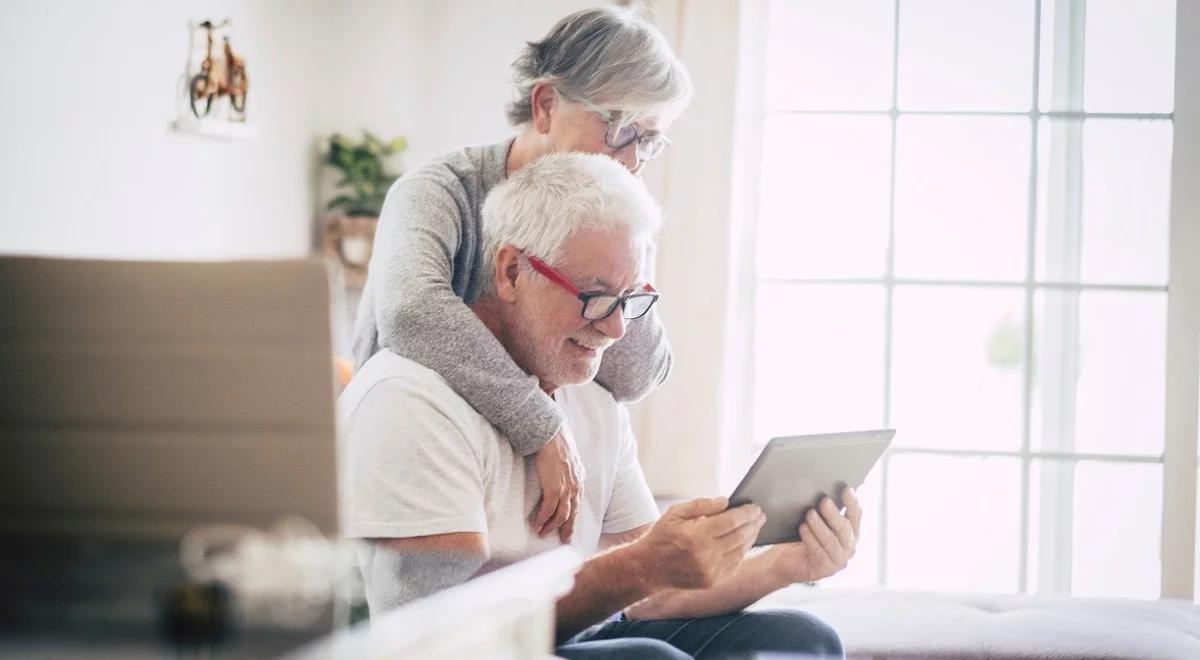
(349, 241)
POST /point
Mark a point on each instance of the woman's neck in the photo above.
(529, 146)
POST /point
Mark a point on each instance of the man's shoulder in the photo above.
(405, 381)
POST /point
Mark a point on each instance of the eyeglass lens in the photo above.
(599, 307)
(621, 136)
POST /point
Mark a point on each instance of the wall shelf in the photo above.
(214, 128)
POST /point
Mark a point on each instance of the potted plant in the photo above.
(365, 180)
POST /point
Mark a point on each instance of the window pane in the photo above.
(1101, 376)
(1118, 530)
(1114, 511)
(824, 200)
(1104, 200)
(958, 55)
(830, 55)
(957, 362)
(1108, 56)
(1129, 60)
(819, 359)
(863, 570)
(953, 523)
(962, 197)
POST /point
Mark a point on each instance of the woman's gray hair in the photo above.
(541, 206)
(610, 57)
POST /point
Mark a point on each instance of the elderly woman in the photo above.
(602, 81)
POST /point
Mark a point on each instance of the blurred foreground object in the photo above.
(507, 613)
(141, 402)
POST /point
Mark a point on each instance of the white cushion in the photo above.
(913, 624)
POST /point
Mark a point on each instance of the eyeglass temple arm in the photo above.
(543, 268)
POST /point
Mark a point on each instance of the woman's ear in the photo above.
(542, 99)
(508, 267)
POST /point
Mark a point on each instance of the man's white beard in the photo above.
(548, 363)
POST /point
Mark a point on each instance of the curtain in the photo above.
(684, 428)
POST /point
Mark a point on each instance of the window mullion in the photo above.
(1058, 362)
(1183, 320)
(889, 291)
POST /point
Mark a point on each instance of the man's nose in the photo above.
(613, 325)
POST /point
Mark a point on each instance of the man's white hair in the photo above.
(541, 206)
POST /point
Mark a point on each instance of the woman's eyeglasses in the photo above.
(619, 134)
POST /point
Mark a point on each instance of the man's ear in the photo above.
(542, 99)
(508, 267)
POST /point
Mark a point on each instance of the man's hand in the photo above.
(696, 543)
(827, 542)
(561, 477)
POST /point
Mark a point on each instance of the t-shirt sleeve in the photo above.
(632, 504)
(410, 469)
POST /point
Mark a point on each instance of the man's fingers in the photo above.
(823, 535)
(731, 520)
(742, 538)
(751, 532)
(703, 506)
(853, 508)
(818, 552)
(838, 523)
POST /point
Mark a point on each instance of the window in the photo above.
(963, 232)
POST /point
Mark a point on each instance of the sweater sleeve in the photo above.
(631, 368)
(420, 317)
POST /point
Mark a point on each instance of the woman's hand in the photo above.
(561, 476)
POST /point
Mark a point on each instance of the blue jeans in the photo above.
(740, 635)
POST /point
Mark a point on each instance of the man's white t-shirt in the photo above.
(419, 460)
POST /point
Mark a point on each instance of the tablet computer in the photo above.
(792, 474)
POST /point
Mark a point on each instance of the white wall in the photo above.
(681, 452)
(436, 72)
(89, 166)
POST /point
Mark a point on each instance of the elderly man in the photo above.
(436, 489)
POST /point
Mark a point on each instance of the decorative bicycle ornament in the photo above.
(215, 72)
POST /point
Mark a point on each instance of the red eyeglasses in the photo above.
(598, 305)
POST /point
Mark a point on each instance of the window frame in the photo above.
(1179, 459)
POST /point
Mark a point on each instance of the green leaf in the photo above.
(341, 201)
(365, 178)
(372, 144)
